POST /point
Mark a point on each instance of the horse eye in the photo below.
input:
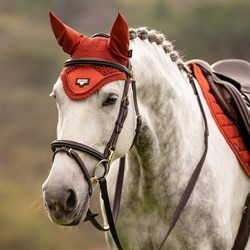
(110, 100)
(52, 95)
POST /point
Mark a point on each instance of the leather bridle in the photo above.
(71, 148)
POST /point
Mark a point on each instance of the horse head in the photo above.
(92, 96)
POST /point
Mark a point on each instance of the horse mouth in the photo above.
(71, 219)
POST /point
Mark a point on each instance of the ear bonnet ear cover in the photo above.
(80, 81)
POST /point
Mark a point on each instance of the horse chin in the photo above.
(79, 216)
(72, 219)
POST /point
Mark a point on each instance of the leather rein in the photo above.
(71, 148)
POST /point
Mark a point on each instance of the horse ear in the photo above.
(66, 37)
(119, 38)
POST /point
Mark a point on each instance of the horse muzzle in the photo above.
(63, 206)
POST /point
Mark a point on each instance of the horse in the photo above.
(169, 145)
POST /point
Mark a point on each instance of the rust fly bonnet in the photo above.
(80, 81)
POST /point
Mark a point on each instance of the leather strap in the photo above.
(70, 152)
(138, 116)
(98, 61)
(191, 184)
(119, 122)
(117, 199)
(105, 197)
(91, 217)
(118, 189)
(244, 228)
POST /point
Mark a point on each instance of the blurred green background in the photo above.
(31, 61)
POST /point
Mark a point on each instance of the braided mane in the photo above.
(154, 36)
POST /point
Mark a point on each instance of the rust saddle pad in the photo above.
(227, 127)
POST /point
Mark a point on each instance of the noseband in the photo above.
(104, 159)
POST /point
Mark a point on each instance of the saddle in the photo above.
(229, 82)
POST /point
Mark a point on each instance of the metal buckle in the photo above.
(131, 72)
(69, 152)
(124, 99)
(111, 152)
(94, 179)
(190, 76)
(244, 209)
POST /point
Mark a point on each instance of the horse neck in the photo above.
(170, 131)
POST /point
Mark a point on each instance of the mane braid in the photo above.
(159, 38)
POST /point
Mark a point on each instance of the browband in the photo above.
(98, 61)
(101, 35)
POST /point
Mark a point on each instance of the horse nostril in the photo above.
(71, 201)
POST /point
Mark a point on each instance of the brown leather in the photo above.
(244, 228)
(193, 179)
(118, 189)
(238, 70)
(98, 61)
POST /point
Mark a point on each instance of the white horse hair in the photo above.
(158, 169)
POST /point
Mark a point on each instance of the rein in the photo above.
(71, 148)
(193, 179)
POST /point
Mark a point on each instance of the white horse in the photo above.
(158, 168)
